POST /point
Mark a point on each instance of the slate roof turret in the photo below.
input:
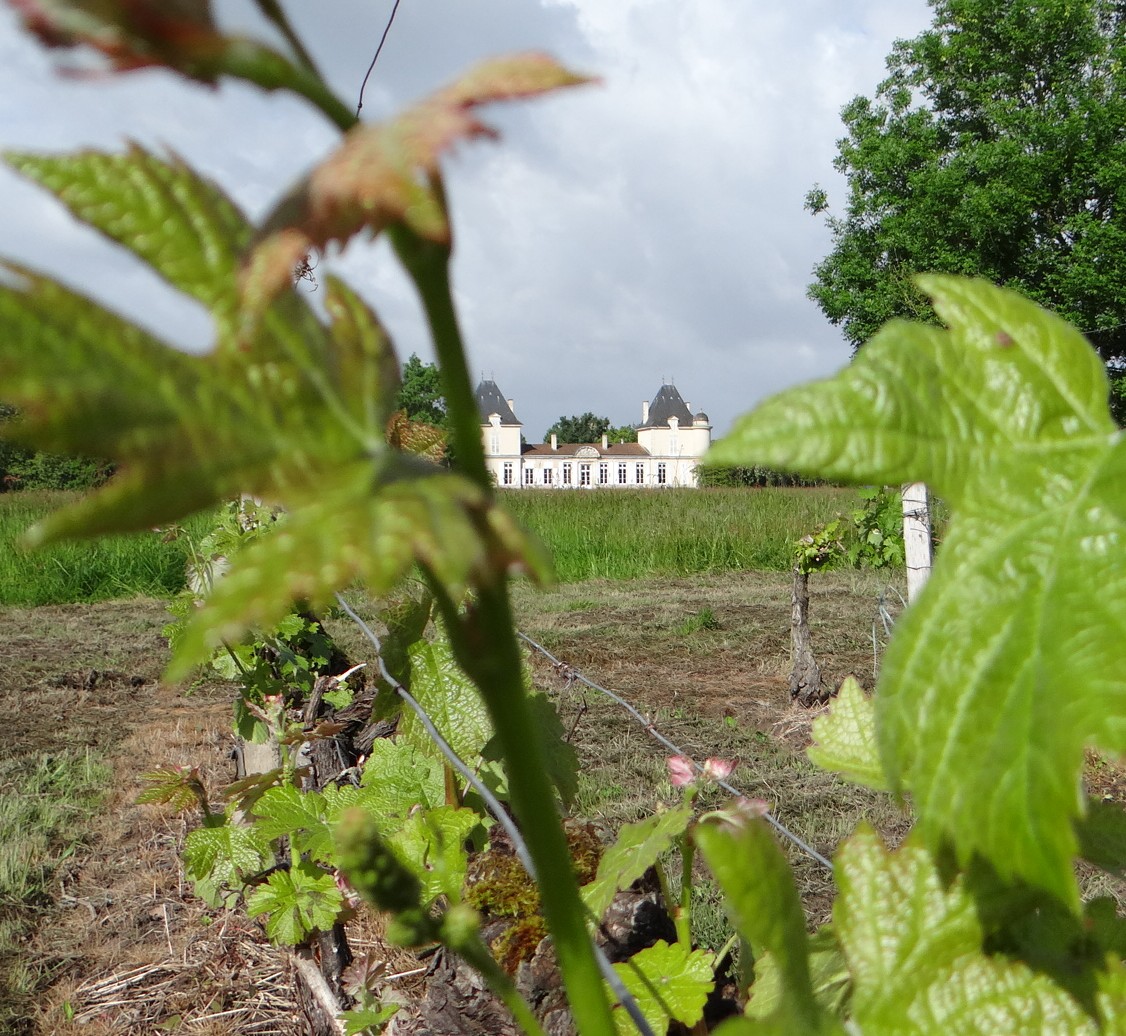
(490, 401)
(668, 403)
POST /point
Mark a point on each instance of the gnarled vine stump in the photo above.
(805, 674)
(456, 1000)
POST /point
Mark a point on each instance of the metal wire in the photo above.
(572, 675)
(382, 40)
(500, 814)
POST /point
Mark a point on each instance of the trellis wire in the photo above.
(572, 675)
(494, 806)
(883, 615)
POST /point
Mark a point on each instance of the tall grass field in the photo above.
(605, 534)
(87, 570)
(627, 534)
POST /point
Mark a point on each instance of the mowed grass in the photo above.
(145, 563)
(631, 534)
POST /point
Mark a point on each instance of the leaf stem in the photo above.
(428, 264)
(666, 889)
(682, 916)
(266, 68)
(485, 644)
(274, 13)
(477, 955)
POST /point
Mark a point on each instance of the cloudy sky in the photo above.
(649, 229)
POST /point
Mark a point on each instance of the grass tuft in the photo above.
(704, 619)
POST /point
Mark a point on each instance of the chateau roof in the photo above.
(490, 401)
(668, 403)
(619, 450)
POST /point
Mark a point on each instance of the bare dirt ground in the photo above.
(124, 947)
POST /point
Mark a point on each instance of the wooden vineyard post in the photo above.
(916, 537)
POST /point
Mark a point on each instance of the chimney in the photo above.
(605, 441)
(645, 411)
(554, 441)
(510, 405)
(689, 406)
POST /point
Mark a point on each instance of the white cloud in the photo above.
(649, 227)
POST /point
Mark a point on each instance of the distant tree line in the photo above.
(23, 468)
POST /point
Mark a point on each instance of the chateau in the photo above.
(670, 442)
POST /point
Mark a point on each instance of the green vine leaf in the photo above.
(432, 844)
(451, 700)
(397, 779)
(561, 759)
(637, 848)
(387, 173)
(1010, 661)
(670, 983)
(299, 816)
(366, 1020)
(294, 416)
(221, 857)
(179, 787)
(1102, 836)
(296, 902)
(914, 949)
(1112, 995)
(406, 621)
(845, 738)
(371, 520)
(178, 223)
(828, 971)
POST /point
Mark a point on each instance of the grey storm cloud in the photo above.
(649, 227)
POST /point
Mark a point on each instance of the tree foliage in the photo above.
(25, 468)
(995, 147)
(757, 475)
(421, 392)
(586, 427)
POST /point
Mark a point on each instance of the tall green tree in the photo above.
(586, 427)
(421, 393)
(995, 147)
(10, 453)
(623, 433)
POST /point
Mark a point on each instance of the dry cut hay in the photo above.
(227, 980)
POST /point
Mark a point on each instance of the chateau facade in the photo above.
(670, 442)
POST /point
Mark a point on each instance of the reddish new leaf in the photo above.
(420, 437)
(132, 34)
(176, 34)
(387, 173)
